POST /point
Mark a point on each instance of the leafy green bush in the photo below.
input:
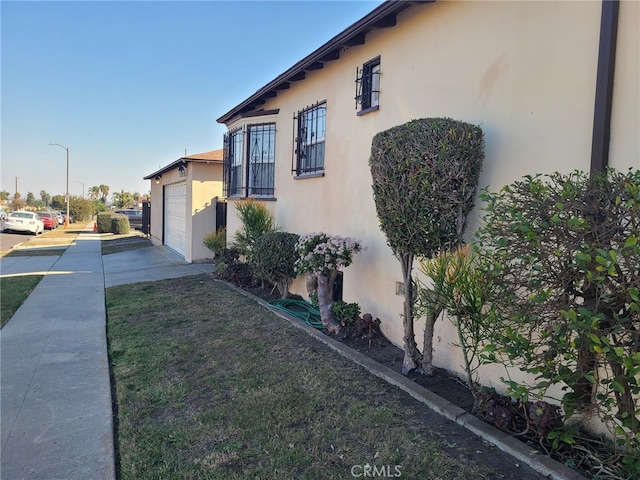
(273, 259)
(216, 241)
(81, 209)
(231, 269)
(256, 220)
(120, 224)
(562, 256)
(103, 222)
(346, 313)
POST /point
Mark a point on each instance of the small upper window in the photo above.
(368, 86)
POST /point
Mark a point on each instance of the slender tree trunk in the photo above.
(324, 303)
(427, 342)
(412, 357)
(312, 284)
(283, 287)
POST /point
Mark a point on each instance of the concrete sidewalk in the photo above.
(55, 390)
(56, 412)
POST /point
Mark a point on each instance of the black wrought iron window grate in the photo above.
(232, 184)
(310, 139)
(261, 156)
(368, 86)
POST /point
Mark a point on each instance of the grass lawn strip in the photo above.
(119, 243)
(36, 252)
(14, 291)
(211, 385)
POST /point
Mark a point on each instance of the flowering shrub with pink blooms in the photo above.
(319, 252)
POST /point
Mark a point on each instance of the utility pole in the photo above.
(66, 219)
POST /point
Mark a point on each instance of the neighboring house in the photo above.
(538, 77)
(184, 198)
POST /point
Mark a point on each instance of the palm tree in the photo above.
(94, 192)
(45, 197)
(104, 191)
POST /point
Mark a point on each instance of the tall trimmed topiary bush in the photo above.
(425, 175)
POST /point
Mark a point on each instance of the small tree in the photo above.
(322, 256)
(81, 209)
(273, 259)
(59, 202)
(256, 220)
(425, 174)
(457, 286)
(45, 197)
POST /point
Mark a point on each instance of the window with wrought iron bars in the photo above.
(368, 86)
(310, 131)
(249, 161)
(232, 163)
(261, 164)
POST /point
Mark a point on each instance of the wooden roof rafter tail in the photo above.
(383, 16)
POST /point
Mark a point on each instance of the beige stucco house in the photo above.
(184, 196)
(554, 86)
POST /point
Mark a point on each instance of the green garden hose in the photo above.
(299, 309)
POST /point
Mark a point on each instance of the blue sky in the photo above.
(129, 86)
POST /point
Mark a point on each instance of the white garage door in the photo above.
(175, 212)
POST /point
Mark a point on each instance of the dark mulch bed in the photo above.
(441, 383)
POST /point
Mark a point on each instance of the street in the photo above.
(9, 240)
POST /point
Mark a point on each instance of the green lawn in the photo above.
(211, 385)
(13, 292)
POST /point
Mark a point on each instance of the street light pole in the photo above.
(81, 183)
(66, 219)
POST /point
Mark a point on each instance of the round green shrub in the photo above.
(103, 221)
(274, 257)
(120, 224)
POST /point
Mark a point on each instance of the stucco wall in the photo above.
(524, 71)
(206, 187)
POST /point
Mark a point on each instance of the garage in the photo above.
(184, 198)
(175, 213)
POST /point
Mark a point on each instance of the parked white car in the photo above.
(23, 222)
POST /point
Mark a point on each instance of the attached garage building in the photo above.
(184, 195)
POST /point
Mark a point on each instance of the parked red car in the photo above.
(49, 219)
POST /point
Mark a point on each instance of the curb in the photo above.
(539, 462)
